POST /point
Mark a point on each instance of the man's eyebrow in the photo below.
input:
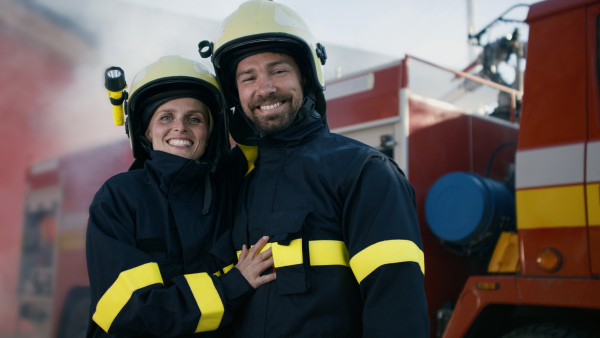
(244, 72)
(269, 65)
(278, 62)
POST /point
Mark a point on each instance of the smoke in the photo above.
(113, 33)
(54, 54)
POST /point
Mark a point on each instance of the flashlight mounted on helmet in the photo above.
(114, 81)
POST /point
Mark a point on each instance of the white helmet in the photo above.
(265, 26)
(167, 78)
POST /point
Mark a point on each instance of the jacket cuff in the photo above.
(235, 286)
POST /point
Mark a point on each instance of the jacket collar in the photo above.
(296, 134)
(169, 170)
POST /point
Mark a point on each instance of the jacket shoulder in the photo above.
(121, 183)
(125, 178)
(340, 144)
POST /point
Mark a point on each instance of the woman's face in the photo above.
(180, 127)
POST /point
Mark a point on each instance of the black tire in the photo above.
(74, 321)
(546, 330)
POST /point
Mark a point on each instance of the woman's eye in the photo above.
(165, 118)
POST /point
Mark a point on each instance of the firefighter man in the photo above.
(157, 236)
(341, 216)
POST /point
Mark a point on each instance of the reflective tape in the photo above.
(324, 252)
(555, 185)
(551, 207)
(251, 153)
(327, 252)
(593, 202)
(115, 298)
(286, 255)
(592, 171)
(225, 270)
(208, 301)
(386, 252)
(562, 165)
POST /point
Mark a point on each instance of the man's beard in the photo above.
(269, 124)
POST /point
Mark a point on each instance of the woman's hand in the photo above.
(253, 262)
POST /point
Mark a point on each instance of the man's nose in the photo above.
(265, 86)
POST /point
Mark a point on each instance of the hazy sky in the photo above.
(431, 29)
(357, 35)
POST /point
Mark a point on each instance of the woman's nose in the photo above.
(180, 125)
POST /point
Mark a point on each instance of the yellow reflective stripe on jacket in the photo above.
(321, 253)
(115, 298)
(386, 252)
(225, 270)
(208, 301)
(328, 253)
(286, 255)
(335, 253)
(251, 153)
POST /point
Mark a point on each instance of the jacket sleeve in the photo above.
(129, 295)
(386, 252)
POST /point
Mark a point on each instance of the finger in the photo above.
(259, 245)
(264, 265)
(244, 253)
(264, 255)
(265, 279)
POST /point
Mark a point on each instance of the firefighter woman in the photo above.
(159, 252)
(341, 215)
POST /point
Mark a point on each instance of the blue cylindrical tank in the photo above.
(468, 212)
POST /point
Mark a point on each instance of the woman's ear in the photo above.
(147, 134)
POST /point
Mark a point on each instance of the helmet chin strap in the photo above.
(308, 108)
(309, 103)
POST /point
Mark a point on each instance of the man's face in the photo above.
(270, 90)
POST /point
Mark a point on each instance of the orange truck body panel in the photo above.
(557, 172)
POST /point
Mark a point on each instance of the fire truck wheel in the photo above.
(546, 330)
(74, 319)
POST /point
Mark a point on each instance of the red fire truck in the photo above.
(53, 283)
(543, 276)
(472, 146)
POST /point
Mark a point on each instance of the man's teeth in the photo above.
(180, 142)
(273, 106)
